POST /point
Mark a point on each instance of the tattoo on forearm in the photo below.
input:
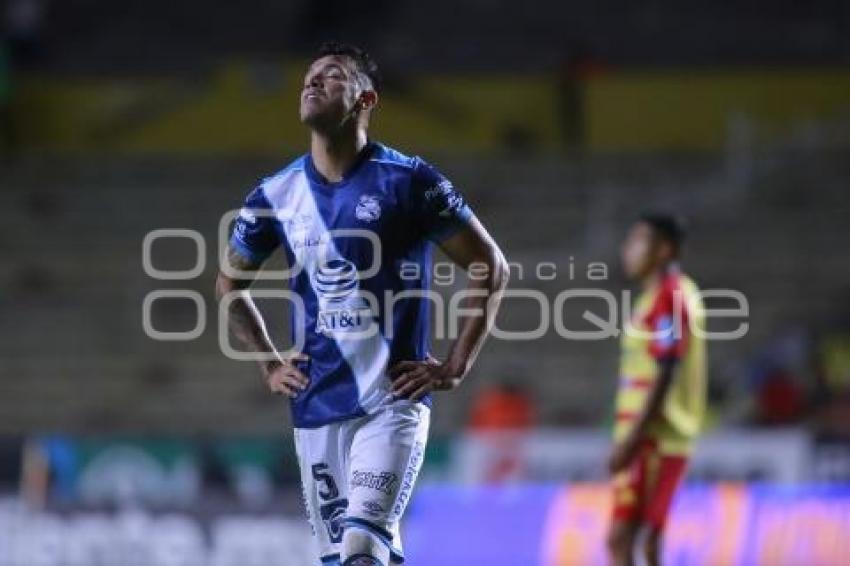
(244, 319)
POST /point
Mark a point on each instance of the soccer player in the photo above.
(661, 396)
(360, 386)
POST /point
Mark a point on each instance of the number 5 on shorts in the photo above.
(332, 512)
(320, 474)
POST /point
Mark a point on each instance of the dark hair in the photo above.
(668, 227)
(363, 62)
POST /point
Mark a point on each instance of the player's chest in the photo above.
(347, 217)
(373, 210)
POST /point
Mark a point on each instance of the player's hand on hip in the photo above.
(284, 378)
(415, 379)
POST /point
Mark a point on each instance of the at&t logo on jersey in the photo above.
(341, 309)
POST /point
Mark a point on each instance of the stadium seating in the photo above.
(73, 286)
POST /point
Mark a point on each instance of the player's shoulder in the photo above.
(692, 295)
(272, 187)
(676, 287)
(687, 283)
(678, 281)
(386, 156)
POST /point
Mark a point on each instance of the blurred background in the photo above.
(560, 121)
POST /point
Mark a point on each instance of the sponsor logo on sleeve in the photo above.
(444, 199)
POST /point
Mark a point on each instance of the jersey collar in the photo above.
(317, 178)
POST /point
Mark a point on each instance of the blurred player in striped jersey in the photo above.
(661, 396)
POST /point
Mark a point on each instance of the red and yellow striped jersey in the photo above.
(661, 325)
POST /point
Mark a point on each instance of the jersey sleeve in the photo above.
(255, 235)
(668, 321)
(439, 208)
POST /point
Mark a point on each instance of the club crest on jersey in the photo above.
(368, 208)
(341, 309)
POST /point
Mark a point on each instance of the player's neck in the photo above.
(334, 154)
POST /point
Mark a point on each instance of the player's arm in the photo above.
(626, 451)
(253, 240)
(470, 246)
(247, 325)
(243, 318)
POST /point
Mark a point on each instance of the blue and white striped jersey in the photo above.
(361, 252)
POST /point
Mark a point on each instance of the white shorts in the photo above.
(359, 473)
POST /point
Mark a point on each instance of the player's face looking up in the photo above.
(643, 251)
(334, 93)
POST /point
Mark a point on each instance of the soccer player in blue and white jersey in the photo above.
(356, 221)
